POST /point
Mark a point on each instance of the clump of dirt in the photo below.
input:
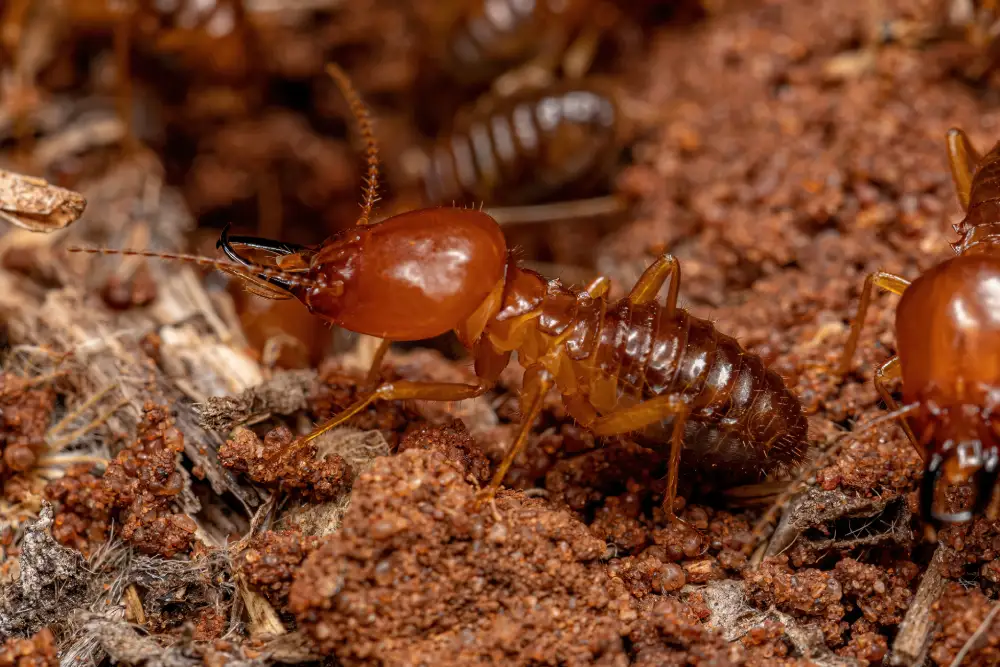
(286, 464)
(807, 593)
(974, 545)
(271, 560)
(143, 479)
(39, 650)
(84, 504)
(962, 613)
(881, 594)
(26, 409)
(416, 574)
(671, 634)
(454, 441)
(768, 641)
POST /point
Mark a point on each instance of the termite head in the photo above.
(411, 277)
(963, 447)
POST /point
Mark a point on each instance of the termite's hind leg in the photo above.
(639, 416)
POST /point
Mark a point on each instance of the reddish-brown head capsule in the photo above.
(411, 277)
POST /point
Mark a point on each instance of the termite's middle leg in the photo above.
(636, 418)
(651, 282)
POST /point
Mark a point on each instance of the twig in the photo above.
(916, 630)
(972, 642)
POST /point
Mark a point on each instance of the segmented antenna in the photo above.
(363, 117)
(254, 271)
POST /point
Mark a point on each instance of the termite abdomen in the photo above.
(527, 147)
(744, 422)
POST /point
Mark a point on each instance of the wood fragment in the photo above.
(133, 606)
(264, 621)
(33, 204)
(195, 355)
(917, 629)
(283, 394)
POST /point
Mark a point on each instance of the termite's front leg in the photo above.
(402, 390)
(537, 382)
(886, 281)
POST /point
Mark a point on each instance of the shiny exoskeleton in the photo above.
(620, 367)
(948, 343)
(528, 146)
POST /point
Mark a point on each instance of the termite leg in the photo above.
(962, 158)
(598, 287)
(651, 281)
(580, 54)
(891, 370)
(886, 281)
(371, 380)
(537, 382)
(639, 416)
(575, 209)
(538, 72)
(403, 390)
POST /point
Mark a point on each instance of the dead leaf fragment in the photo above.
(33, 204)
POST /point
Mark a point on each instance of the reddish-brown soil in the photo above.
(782, 156)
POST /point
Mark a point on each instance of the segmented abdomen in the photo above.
(526, 148)
(984, 199)
(743, 419)
(493, 37)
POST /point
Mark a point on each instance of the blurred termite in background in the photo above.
(974, 22)
(505, 43)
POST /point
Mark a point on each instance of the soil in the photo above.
(781, 150)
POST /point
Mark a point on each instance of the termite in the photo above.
(506, 42)
(213, 38)
(976, 22)
(528, 146)
(948, 343)
(620, 367)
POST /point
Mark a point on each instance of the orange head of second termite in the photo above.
(410, 277)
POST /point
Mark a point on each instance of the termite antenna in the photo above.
(363, 118)
(276, 277)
